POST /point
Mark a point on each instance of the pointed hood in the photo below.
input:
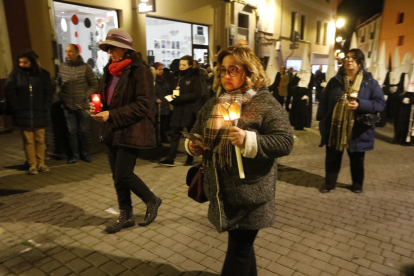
(305, 61)
(380, 71)
(330, 72)
(409, 82)
(272, 66)
(396, 62)
(354, 44)
(405, 66)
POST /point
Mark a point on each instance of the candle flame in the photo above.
(96, 99)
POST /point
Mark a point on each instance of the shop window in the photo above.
(325, 33)
(86, 27)
(318, 31)
(400, 18)
(243, 21)
(302, 27)
(168, 40)
(400, 40)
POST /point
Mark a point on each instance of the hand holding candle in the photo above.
(353, 104)
(96, 100)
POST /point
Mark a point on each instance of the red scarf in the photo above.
(116, 68)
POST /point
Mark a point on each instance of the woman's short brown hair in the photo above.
(255, 74)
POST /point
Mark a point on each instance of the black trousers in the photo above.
(122, 161)
(333, 166)
(175, 142)
(240, 258)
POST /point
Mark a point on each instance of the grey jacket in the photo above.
(76, 83)
(248, 203)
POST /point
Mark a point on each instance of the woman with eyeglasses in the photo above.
(241, 206)
(349, 97)
(128, 124)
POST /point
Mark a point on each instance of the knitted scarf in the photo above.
(343, 119)
(216, 130)
(116, 68)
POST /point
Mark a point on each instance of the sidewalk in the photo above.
(52, 224)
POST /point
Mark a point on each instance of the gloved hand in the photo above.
(406, 101)
(324, 84)
(386, 97)
(305, 97)
(176, 101)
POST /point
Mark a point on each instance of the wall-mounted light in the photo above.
(340, 23)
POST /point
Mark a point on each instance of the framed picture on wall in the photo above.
(173, 44)
(177, 45)
(157, 44)
(163, 43)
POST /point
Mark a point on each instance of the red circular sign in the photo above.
(75, 19)
(76, 34)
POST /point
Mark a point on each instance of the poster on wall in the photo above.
(157, 44)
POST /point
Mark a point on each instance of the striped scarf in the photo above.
(343, 119)
(216, 130)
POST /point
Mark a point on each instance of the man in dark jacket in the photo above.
(185, 107)
(76, 84)
(319, 78)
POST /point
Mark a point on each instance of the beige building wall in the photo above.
(368, 35)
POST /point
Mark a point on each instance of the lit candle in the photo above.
(176, 92)
(231, 113)
(353, 96)
(96, 100)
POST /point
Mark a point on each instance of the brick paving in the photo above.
(52, 224)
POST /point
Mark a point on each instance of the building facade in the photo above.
(368, 38)
(396, 27)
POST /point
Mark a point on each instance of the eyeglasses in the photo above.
(350, 59)
(112, 48)
(232, 71)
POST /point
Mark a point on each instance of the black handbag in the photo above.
(195, 183)
(368, 119)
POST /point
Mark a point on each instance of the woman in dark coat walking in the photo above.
(241, 206)
(349, 95)
(128, 117)
(29, 96)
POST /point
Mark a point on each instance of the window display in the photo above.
(169, 40)
(86, 27)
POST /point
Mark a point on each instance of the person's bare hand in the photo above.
(101, 116)
(353, 105)
(238, 137)
(195, 149)
(92, 108)
(159, 101)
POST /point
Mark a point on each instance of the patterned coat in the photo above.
(248, 203)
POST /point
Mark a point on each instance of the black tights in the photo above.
(240, 257)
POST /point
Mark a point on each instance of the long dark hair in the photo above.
(31, 56)
(359, 58)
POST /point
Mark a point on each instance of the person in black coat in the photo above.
(185, 107)
(128, 124)
(162, 89)
(29, 95)
(319, 78)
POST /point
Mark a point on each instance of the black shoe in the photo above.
(125, 220)
(357, 191)
(167, 162)
(86, 158)
(325, 190)
(73, 160)
(188, 163)
(152, 212)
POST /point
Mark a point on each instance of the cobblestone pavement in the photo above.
(52, 224)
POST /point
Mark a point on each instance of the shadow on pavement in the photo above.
(408, 270)
(303, 178)
(85, 262)
(46, 208)
(7, 192)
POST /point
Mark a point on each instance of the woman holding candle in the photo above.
(128, 117)
(29, 96)
(263, 133)
(352, 92)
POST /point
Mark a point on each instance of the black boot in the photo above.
(189, 160)
(152, 212)
(125, 220)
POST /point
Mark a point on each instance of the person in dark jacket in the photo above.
(319, 78)
(76, 84)
(241, 206)
(29, 95)
(162, 89)
(185, 107)
(128, 117)
(351, 93)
